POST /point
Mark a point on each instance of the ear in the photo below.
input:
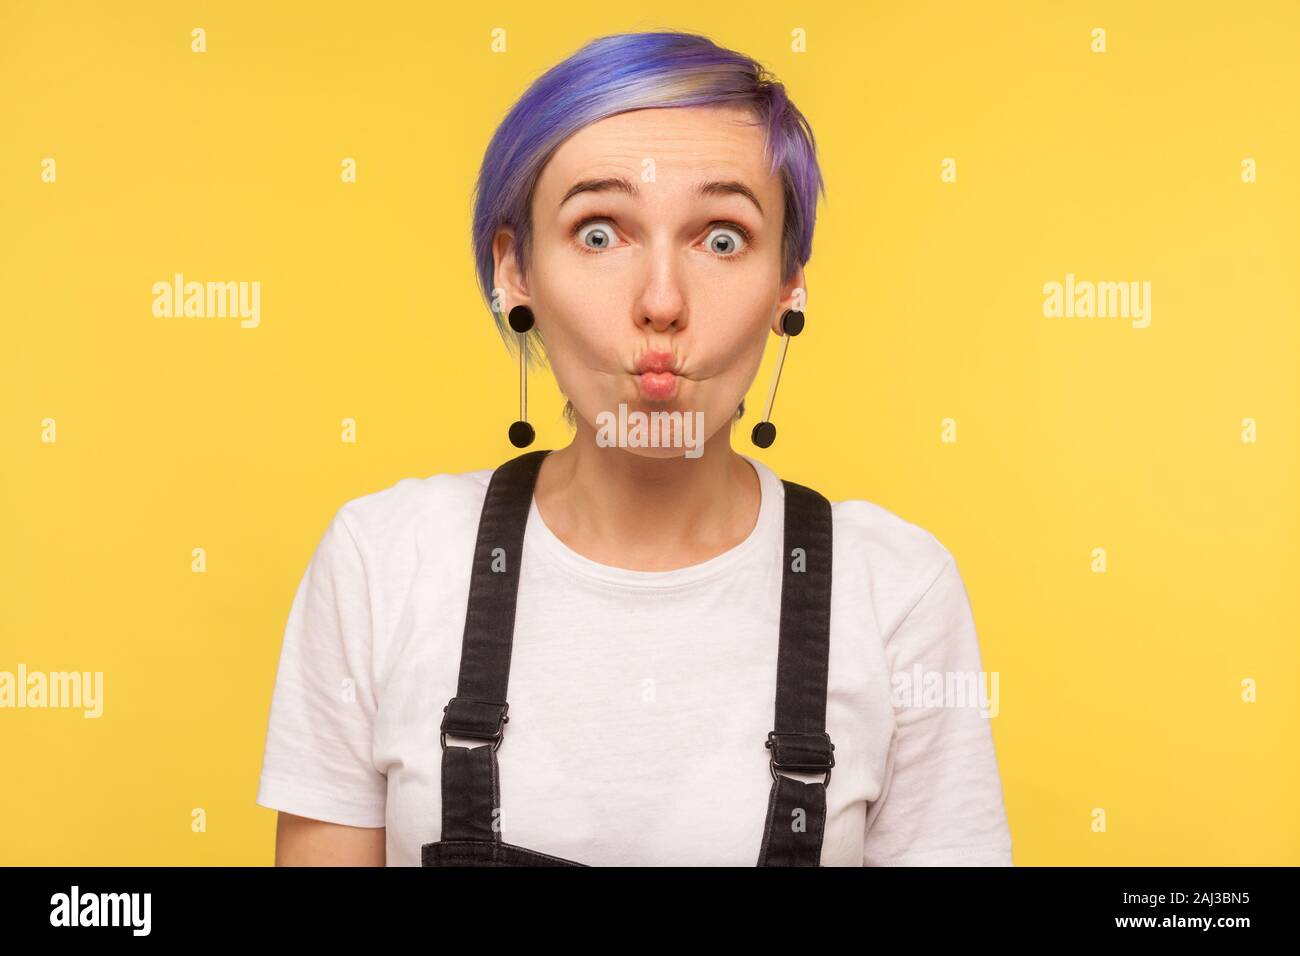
(506, 276)
(794, 295)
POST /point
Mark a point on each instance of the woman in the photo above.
(617, 653)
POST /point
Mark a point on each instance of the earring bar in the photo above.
(521, 320)
(776, 377)
(523, 376)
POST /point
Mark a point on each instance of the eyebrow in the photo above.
(619, 184)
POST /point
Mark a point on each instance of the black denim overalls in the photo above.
(798, 742)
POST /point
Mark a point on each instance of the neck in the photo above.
(631, 511)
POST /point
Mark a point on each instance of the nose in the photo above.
(663, 305)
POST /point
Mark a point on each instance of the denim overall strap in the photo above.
(471, 792)
(796, 811)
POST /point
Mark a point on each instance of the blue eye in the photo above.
(726, 241)
(602, 235)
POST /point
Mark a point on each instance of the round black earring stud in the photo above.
(521, 318)
(522, 434)
(763, 435)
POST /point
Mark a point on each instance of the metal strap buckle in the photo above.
(817, 766)
(496, 736)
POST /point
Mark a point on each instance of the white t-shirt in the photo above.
(640, 701)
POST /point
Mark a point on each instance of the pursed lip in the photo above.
(655, 362)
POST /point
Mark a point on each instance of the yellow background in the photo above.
(1119, 690)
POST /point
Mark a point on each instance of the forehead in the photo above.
(685, 143)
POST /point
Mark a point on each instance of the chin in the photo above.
(651, 430)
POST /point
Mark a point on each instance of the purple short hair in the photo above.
(630, 71)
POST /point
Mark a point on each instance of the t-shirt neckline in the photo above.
(542, 540)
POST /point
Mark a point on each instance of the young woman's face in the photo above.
(656, 245)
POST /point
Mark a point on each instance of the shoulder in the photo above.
(891, 559)
(378, 545)
(888, 538)
(431, 510)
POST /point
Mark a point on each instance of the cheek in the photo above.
(743, 367)
(574, 321)
(739, 341)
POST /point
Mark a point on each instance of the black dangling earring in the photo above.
(521, 433)
(765, 432)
